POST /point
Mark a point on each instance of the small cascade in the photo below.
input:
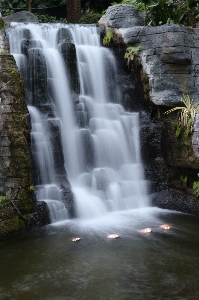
(79, 125)
(46, 190)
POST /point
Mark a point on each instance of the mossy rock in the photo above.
(11, 225)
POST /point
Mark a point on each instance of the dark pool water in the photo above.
(46, 264)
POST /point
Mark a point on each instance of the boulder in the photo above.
(22, 16)
(121, 16)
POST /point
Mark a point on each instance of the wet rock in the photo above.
(27, 44)
(64, 36)
(68, 52)
(22, 16)
(40, 216)
(179, 200)
(38, 76)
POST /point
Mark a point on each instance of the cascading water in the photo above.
(100, 140)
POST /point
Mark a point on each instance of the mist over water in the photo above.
(100, 140)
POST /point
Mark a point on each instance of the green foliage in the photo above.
(178, 129)
(182, 133)
(90, 18)
(49, 19)
(183, 180)
(129, 2)
(159, 12)
(95, 5)
(31, 188)
(165, 12)
(140, 6)
(108, 37)
(196, 188)
(131, 52)
(2, 200)
(6, 12)
(188, 112)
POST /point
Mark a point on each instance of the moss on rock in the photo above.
(15, 175)
(11, 225)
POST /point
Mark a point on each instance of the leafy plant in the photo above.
(183, 180)
(2, 200)
(6, 12)
(196, 188)
(90, 18)
(131, 52)
(178, 129)
(49, 19)
(166, 12)
(188, 112)
(108, 37)
(31, 188)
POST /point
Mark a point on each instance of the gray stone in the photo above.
(133, 35)
(23, 17)
(176, 55)
(27, 44)
(121, 16)
(37, 75)
(64, 36)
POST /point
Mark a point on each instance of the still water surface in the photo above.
(46, 264)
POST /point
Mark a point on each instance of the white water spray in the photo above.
(102, 155)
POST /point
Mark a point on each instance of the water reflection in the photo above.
(46, 264)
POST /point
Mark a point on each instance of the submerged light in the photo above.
(165, 226)
(77, 239)
(146, 230)
(113, 236)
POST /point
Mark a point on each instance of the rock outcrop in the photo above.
(165, 69)
(18, 207)
(22, 16)
(169, 54)
(121, 16)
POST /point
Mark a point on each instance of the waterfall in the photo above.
(76, 105)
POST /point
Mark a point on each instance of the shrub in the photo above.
(49, 19)
(90, 18)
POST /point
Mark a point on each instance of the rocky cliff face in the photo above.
(166, 68)
(18, 209)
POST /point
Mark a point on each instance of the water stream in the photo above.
(99, 139)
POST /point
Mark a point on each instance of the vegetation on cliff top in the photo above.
(159, 12)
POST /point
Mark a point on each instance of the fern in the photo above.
(108, 37)
(131, 52)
